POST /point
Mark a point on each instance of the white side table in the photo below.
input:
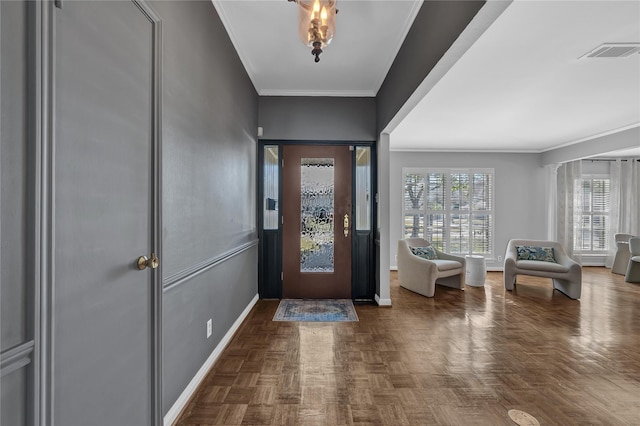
(476, 270)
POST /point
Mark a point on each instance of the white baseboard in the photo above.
(592, 263)
(383, 302)
(183, 399)
(489, 268)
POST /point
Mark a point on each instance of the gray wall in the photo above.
(519, 193)
(13, 169)
(209, 256)
(437, 25)
(210, 115)
(318, 118)
(219, 293)
(209, 121)
(629, 138)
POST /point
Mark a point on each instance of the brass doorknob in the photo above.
(153, 262)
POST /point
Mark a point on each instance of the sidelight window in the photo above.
(363, 188)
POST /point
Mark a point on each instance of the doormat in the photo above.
(321, 310)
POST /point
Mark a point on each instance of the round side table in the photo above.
(476, 270)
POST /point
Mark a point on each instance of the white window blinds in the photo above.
(452, 208)
(593, 226)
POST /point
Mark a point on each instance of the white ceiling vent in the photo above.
(613, 50)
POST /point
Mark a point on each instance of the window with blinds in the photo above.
(593, 226)
(452, 208)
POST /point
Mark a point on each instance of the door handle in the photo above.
(346, 225)
(153, 262)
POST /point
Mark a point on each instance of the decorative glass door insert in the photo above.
(317, 214)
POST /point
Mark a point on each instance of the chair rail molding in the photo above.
(16, 358)
(187, 274)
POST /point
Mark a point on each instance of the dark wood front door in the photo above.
(316, 229)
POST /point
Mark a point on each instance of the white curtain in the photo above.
(569, 207)
(624, 211)
(551, 176)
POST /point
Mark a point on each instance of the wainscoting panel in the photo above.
(16, 396)
(13, 388)
(271, 265)
(13, 383)
(13, 168)
(362, 270)
(220, 293)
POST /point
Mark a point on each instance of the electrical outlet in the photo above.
(499, 258)
(209, 327)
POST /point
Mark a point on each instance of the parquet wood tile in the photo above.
(460, 358)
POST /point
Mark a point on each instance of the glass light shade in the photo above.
(316, 21)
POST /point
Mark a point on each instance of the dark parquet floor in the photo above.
(460, 358)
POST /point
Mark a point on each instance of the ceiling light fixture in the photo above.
(316, 23)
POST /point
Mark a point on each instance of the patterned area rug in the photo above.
(333, 310)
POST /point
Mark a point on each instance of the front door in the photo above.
(316, 227)
(102, 368)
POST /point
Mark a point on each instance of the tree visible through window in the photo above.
(413, 203)
(451, 208)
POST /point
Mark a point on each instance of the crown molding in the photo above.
(335, 93)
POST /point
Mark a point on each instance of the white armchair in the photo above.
(633, 269)
(565, 272)
(421, 275)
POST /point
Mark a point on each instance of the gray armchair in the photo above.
(565, 272)
(421, 275)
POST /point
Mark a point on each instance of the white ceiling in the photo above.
(367, 38)
(520, 87)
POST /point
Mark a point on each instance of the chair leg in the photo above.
(571, 289)
(454, 281)
(633, 272)
(620, 262)
(509, 279)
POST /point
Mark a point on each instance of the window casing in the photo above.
(451, 208)
(593, 226)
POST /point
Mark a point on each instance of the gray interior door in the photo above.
(103, 201)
